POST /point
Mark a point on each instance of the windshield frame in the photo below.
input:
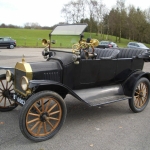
(68, 27)
(74, 31)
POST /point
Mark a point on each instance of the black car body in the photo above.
(7, 42)
(92, 75)
(107, 44)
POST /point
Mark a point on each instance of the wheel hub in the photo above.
(141, 94)
(6, 93)
(43, 117)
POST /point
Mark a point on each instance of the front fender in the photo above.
(7, 68)
(128, 85)
(57, 87)
(37, 83)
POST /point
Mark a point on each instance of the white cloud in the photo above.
(46, 12)
(18, 12)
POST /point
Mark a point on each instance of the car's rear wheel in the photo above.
(141, 95)
(6, 89)
(42, 116)
(11, 46)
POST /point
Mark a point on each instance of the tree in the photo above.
(74, 11)
(137, 24)
(91, 7)
(147, 13)
(3, 25)
(131, 22)
(32, 25)
(66, 12)
(100, 11)
(120, 21)
(113, 22)
(121, 15)
(141, 25)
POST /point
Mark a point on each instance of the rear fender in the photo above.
(128, 85)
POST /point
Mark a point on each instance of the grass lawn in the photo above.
(33, 37)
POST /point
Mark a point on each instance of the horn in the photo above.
(44, 42)
(94, 42)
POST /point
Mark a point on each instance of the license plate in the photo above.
(21, 101)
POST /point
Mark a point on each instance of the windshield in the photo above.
(65, 36)
(104, 42)
(141, 45)
(69, 29)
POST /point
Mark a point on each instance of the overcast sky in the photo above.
(45, 12)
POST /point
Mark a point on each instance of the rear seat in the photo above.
(129, 52)
(113, 53)
(103, 53)
(106, 53)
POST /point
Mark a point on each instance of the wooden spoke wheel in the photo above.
(140, 96)
(42, 116)
(6, 89)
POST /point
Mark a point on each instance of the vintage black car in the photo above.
(92, 75)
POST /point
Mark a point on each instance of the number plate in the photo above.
(21, 101)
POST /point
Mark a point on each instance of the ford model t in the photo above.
(92, 75)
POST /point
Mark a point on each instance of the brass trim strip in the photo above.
(24, 94)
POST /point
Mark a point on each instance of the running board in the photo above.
(106, 100)
(101, 95)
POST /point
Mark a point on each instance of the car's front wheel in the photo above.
(42, 116)
(141, 95)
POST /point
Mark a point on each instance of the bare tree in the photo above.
(74, 11)
(91, 7)
(83, 8)
(33, 25)
(99, 12)
(3, 25)
(121, 22)
(66, 12)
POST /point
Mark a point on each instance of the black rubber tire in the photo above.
(26, 127)
(137, 96)
(5, 103)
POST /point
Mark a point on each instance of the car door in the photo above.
(6, 42)
(1, 42)
(96, 72)
(124, 69)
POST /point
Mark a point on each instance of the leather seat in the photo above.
(106, 53)
(130, 52)
(103, 53)
(113, 53)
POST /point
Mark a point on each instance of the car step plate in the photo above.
(106, 100)
(102, 95)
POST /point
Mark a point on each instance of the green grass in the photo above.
(33, 37)
(25, 37)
